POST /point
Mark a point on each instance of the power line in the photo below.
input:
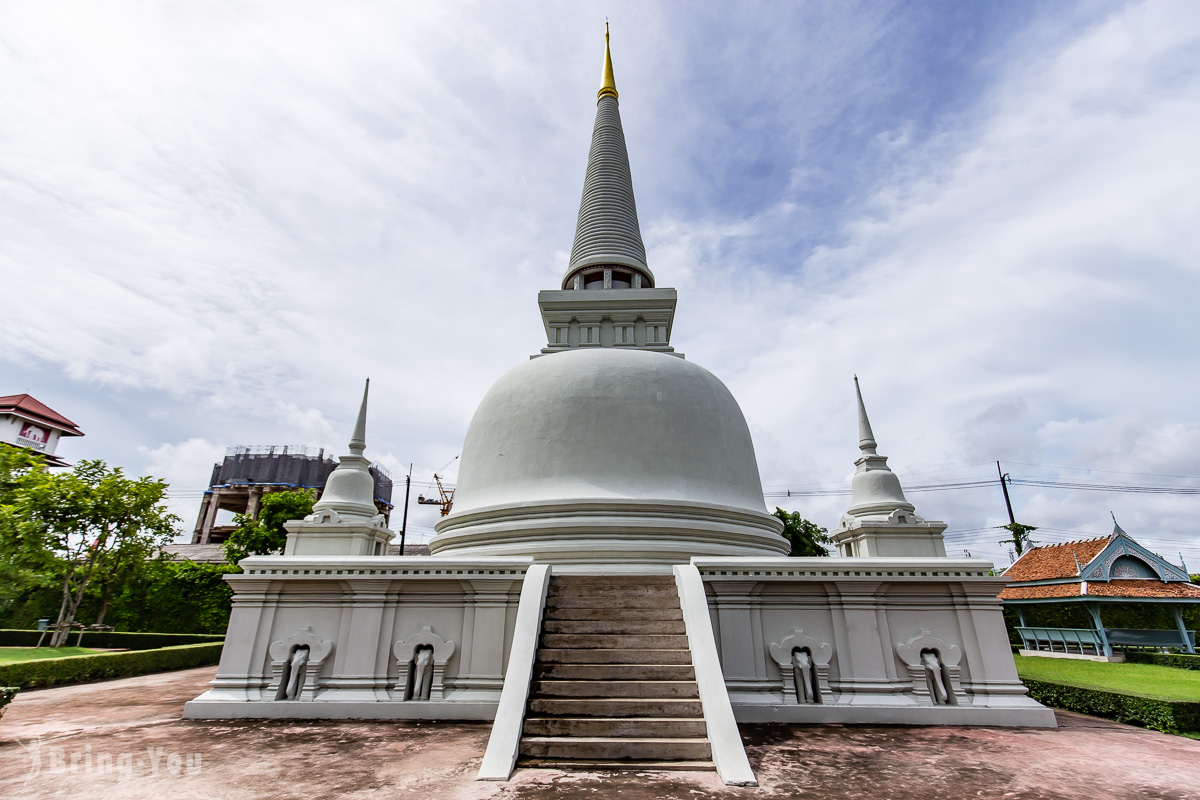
(906, 474)
(1041, 483)
(1107, 471)
(921, 487)
(1104, 487)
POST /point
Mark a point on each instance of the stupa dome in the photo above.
(609, 454)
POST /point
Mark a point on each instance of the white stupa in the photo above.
(610, 584)
(608, 455)
(345, 520)
(613, 449)
(881, 521)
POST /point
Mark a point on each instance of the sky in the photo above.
(217, 219)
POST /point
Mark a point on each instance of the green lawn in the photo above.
(1146, 679)
(10, 655)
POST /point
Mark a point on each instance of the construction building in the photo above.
(239, 482)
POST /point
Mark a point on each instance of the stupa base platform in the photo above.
(204, 707)
(909, 641)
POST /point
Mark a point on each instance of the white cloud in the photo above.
(186, 466)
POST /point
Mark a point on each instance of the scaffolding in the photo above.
(248, 472)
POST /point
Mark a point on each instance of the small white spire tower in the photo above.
(345, 521)
(880, 521)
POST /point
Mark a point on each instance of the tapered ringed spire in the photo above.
(608, 251)
(358, 439)
(866, 438)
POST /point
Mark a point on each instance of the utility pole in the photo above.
(1020, 533)
(1004, 485)
(404, 521)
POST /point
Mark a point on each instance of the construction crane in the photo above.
(447, 498)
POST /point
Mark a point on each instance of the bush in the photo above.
(103, 666)
(114, 640)
(175, 597)
(7, 693)
(1169, 716)
(1179, 660)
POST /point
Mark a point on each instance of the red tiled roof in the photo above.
(1055, 560)
(1043, 592)
(28, 405)
(1143, 588)
(1118, 588)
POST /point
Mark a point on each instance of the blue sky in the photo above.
(220, 218)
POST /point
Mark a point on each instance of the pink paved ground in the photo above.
(140, 718)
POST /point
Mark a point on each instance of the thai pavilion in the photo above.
(1099, 573)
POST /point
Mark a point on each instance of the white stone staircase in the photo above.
(613, 683)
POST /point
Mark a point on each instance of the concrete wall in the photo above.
(10, 431)
(363, 607)
(869, 620)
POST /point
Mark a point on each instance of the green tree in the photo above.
(1020, 536)
(74, 525)
(266, 535)
(17, 468)
(807, 538)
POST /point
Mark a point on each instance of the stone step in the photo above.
(606, 689)
(639, 614)
(617, 766)
(686, 727)
(648, 592)
(612, 580)
(615, 626)
(605, 672)
(572, 747)
(579, 655)
(607, 601)
(620, 707)
(596, 641)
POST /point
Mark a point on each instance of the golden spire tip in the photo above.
(609, 84)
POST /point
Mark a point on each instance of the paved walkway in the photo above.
(125, 739)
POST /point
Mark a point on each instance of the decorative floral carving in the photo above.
(421, 661)
(933, 668)
(304, 652)
(804, 664)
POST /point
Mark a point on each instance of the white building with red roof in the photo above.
(29, 423)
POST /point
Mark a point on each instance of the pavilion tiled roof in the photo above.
(1043, 592)
(1142, 588)
(1116, 588)
(29, 406)
(1055, 560)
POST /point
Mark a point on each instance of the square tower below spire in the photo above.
(634, 318)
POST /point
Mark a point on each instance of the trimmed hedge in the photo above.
(7, 693)
(103, 666)
(1179, 660)
(1169, 716)
(115, 640)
